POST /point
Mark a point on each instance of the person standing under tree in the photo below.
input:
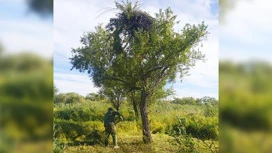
(109, 124)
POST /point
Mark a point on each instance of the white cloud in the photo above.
(190, 92)
(79, 83)
(73, 18)
(27, 35)
(247, 31)
(205, 73)
(248, 22)
(23, 31)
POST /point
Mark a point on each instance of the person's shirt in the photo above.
(109, 117)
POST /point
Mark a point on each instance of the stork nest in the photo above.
(130, 22)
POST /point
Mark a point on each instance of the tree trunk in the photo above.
(135, 109)
(144, 115)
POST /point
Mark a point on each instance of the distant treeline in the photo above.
(72, 97)
(195, 101)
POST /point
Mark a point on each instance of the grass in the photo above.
(130, 143)
(240, 140)
(163, 116)
(162, 143)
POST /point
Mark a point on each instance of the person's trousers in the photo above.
(110, 129)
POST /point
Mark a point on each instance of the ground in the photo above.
(130, 143)
(162, 143)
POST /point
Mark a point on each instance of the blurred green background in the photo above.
(26, 77)
(26, 91)
(245, 107)
(245, 71)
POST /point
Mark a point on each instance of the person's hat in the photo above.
(110, 109)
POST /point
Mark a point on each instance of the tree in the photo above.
(72, 98)
(55, 90)
(209, 100)
(60, 98)
(134, 97)
(140, 52)
(95, 96)
(185, 101)
(115, 94)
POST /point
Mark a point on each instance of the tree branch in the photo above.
(154, 69)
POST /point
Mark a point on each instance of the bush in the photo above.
(186, 144)
(76, 133)
(77, 115)
(185, 101)
(210, 110)
(198, 127)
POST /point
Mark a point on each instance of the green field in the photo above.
(79, 128)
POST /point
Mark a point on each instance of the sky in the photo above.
(246, 32)
(24, 31)
(244, 35)
(73, 18)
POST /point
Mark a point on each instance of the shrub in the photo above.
(198, 127)
(184, 101)
(210, 110)
(186, 144)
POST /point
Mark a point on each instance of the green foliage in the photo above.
(198, 127)
(21, 78)
(245, 90)
(60, 98)
(76, 133)
(209, 101)
(79, 129)
(74, 98)
(210, 110)
(55, 91)
(187, 144)
(183, 134)
(69, 98)
(26, 89)
(6, 142)
(77, 114)
(115, 94)
(186, 101)
(196, 101)
(58, 146)
(233, 139)
(203, 128)
(95, 96)
(140, 52)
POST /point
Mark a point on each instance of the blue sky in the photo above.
(246, 32)
(23, 30)
(73, 18)
(245, 35)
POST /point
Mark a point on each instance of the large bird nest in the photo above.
(129, 20)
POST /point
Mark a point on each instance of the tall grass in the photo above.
(82, 123)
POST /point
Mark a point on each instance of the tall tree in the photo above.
(115, 94)
(140, 52)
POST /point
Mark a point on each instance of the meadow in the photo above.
(245, 107)
(78, 127)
